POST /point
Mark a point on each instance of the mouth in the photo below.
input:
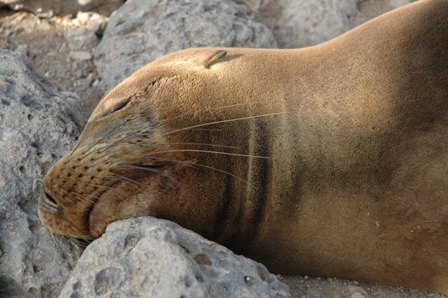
(128, 195)
(85, 218)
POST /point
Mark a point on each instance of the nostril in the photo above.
(50, 198)
(47, 202)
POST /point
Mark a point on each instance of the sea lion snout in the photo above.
(82, 194)
(109, 169)
(68, 191)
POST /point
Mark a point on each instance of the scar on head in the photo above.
(214, 58)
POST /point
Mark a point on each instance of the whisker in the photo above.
(122, 178)
(85, 201)
(221, 171)
(206, 129)
(211, 152)
(130, 146)
(223, 121)
(207, 167)
(149, 169)
(99, 159)
(81, 243)
(49, 207)
(142, 146)
(208, 144)
(114, 178)
(104, 148)
(250, 103)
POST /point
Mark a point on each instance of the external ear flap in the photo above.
(214, 57)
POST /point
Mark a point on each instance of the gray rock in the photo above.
(91, 21)
(143, 30)
(300, 23)
(48, 8)
(148, 257)
(81, 55)
(82, 40)
(84, 32)
(38, 124)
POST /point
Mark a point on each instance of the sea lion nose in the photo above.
(51, 199)
(49, 203)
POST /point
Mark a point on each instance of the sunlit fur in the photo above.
(329, 161)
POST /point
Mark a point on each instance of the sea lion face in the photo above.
(117, 170)
(146, 150)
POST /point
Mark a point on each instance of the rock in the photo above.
(82, 40)
(38, 124)
(91, 21)
(51, 49)
(48, 8)
(332, 287)
(143, 30)
(148, 257)
(81, 55)
(300, 23)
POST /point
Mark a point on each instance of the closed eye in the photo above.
(120, 105)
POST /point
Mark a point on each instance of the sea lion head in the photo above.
(137, 156)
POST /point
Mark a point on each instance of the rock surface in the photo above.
(148, 257)
(316, 287)
(143, 30)
(38, 124)
(55, 47)
(300, 23)
(48, 8)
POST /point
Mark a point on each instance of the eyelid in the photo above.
(120, 105)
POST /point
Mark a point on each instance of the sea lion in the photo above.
(328, 161)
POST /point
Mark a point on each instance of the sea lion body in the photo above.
(330, 160)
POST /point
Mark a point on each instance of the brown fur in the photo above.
(355, 131)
